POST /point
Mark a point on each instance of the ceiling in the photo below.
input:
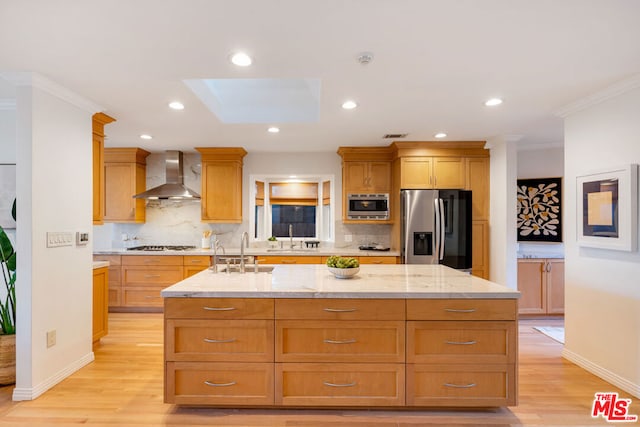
(434, 64)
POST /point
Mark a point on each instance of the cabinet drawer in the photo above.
(152, 260)
(219, 340)
(210, 383)
(144, 276)
(461, 309)
(344, 384)
(271, 259)
(218, 308)
(142, 297)
(112, 259)
(196, 260)
(338, 341)
(461, 385)
(340, 309)
(461, 342)
(377, 260)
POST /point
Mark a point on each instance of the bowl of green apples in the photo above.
(343, 267)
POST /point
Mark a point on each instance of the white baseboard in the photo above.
(33, 392)
(605, 374)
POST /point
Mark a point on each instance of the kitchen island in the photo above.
(394, 336)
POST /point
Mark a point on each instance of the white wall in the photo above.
(502, 244)
(7, 135)
(54, 193)
(546, 162)
(602, 306)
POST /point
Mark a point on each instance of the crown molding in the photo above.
(612, 91)
(7, 104)
(529, 146)
(19, 78)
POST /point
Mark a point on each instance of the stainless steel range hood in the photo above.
(174, 188)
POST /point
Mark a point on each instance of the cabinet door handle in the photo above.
(455, 310)
(219, 308)
(327, 383)
(209, 383)
(340, 310)
(348, 341)
(459, 385)
(214, 341)
(462, 343)
(548, 267)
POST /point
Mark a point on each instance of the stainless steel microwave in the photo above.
(368, 206)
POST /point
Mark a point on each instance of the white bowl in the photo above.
(344, 273)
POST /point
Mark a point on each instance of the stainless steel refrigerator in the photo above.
(436, 227)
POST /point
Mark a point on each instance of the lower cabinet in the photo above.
(100, 303)
(541, 283)
(340, 352)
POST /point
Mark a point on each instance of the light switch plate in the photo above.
(82, 238)
(59, 238)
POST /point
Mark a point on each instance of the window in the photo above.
(300, 219)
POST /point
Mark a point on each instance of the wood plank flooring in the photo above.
(123, 387)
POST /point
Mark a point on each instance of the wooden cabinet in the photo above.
(379, 260)
(100, 303)
(365, 170)
(115, 284)
(221, 184)
(289, 259)
(477, 180)
(341, 352)
(99, 120)
(432, 172)
(125, 176)
(195, 263)
(480, 248)
(541, 283)
(462, 352)
(144, 276)
(219, 351)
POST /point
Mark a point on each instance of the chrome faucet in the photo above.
(216, 245)
(291, 236)
(244, 242)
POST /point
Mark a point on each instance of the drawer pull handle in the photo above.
(460, 385)
(151, 297)
(196, 261)
(462, 343)
(340, 310)
(209, 383)
(339, 385)
(214, 341)
(349, 341)
(219, 308)
(454, 310)
(151, 276)
(289, 261)
(151, 261)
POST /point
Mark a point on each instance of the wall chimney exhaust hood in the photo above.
(174, 187)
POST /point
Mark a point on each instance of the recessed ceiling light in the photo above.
(493, 102)
(273, 129)
(175, 105)
(440, 135)
(145, 136)
(349, 105)
(241, 59)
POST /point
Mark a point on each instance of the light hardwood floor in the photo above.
(123, 387)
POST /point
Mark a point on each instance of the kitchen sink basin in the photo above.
(248, 268)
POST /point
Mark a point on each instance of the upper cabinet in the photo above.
(477, 180)
(221, 184)
(432, 172)
(124, 177)
(98, 122)
(365, 170)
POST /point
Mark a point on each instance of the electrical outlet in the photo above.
(348, 238)
(51, 338)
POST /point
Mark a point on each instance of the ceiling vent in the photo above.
(395, 135)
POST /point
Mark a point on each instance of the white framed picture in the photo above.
(607, 208)
(7, 194)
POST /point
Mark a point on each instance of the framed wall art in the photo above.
(7, 194)
(539, 210)
(607, 208)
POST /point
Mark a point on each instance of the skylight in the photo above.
(260, 100)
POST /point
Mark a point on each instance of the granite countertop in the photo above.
(257, 251)
(100, 264)
(315, 281)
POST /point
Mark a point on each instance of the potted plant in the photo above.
(8, 308)
(273, 242)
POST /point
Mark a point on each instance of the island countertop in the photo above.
(315, 281)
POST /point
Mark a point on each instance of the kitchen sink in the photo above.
(248, 268)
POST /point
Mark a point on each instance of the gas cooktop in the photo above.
(161, 248)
